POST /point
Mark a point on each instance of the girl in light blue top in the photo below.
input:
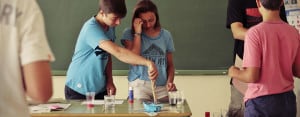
(148, 39)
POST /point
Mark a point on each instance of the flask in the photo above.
(130, 95)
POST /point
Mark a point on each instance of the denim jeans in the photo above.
(276, 105)
(71, 94)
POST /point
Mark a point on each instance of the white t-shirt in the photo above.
(22, 41)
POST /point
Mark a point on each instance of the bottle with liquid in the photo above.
(130, 95)
(207, 114)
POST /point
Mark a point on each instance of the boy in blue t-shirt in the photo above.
(91, 66)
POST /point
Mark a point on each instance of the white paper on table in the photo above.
(47, 107)
(38, 109)
(101, 102)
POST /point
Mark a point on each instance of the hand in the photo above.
(171, 87)
(232, 71)
(137, 24)
(240, 86)
(152, 71)
(110, 88)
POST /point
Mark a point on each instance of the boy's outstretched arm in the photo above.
(129, 57)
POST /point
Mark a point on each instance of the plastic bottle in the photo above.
(130, 95)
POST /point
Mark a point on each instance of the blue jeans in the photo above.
(276, 105)
(71, 94)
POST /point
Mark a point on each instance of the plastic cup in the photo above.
(180, 98)
(172, 98)
(90, 98)
(109, 102)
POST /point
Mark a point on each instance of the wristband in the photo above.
(137, 34)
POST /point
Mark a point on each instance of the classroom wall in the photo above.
(203, 93)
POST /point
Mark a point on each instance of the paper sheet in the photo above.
(48, 107)
(101, 102)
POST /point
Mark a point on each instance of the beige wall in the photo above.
(203, 93)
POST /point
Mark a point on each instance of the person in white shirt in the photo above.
(25, 55)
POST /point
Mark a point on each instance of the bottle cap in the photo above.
(130, 88)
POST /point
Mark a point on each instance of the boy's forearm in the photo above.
(132, 58)
(108, 71)
(238, 30)
(123, 54)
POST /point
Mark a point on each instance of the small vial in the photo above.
(130, 95)
(207, 114)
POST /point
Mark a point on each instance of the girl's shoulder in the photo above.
(164, 31)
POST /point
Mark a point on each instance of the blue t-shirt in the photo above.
(154, 49)
(86, 72)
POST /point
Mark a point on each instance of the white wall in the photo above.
(203, 93)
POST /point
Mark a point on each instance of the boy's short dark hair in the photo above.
(117, 7)
(272, 4)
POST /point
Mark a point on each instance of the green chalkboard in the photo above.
(198, 27)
